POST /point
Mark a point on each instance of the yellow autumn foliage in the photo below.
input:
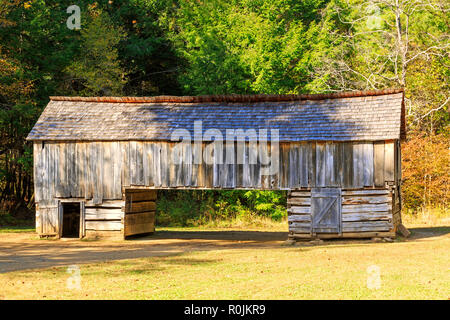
(426, 171)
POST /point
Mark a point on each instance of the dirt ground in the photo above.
(22, 251)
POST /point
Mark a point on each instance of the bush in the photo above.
(182, 208)
(8, 220)
(426, 171)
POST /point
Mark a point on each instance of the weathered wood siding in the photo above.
(99, 171)
(47, 219)
(105, 220)
(140, 211)
(363, 211)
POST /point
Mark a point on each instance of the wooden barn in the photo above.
(98, 161)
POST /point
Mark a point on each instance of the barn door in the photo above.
(140, 208)
(47, 219)
(326, 210)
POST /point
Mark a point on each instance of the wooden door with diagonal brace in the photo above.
(326, 210)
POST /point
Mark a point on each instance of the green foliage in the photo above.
(168, 47)
(201, 207)
(379, 44)
(244, 46)
(96, 70)
(269, 203)
(10, 223)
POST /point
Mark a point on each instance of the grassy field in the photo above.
(414, 269)
(16, 229)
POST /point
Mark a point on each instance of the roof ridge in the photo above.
(232, 97)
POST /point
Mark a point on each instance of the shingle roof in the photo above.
(354, 116)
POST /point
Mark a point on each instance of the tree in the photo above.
(96, 70)
(390, 43)
(35, 45)
(244, 46)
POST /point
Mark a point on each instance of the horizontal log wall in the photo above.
(140, 211)
(299, 212)
(366, 212)
(105, 220)
(101, 170)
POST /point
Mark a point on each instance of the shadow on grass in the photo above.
(30, 254)
(428, 232)
(267, 236)
(231, 235)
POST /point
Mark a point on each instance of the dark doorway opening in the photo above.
(71, 220)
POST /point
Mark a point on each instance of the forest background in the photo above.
(195, 47)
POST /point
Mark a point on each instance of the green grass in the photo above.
(9, 223)
(430, 216)
(17, 229)
(416, 269)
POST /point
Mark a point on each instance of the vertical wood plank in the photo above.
(116, 155)
(338, 164)
(240, 160)
(246, 181)
(208, 167)
(389, 161)
(264, 160)
(36, 172)
(87, 172)
(221, 170)
(52, 168)
(368, 165)
(303, 164)
(358, 165)
(378, 163)
(348, 164)
(275, 158)
(320, 164)
(196, 176)
(399, 162)
(284, 170)
(139, 163)
(312, 164)
(294, 168)
(108, 173)
(98, 173)
(80, 168)
(61, 171)
(46, 177)
(217, 161)
(93, 169)
(164, 165)
(187, 164)
(156, 155)
(230, 161)
(125, 151)
(330, 179)
(255, 178)
(146, 163)
(132, 162)
(174, 163)
(71, 172)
